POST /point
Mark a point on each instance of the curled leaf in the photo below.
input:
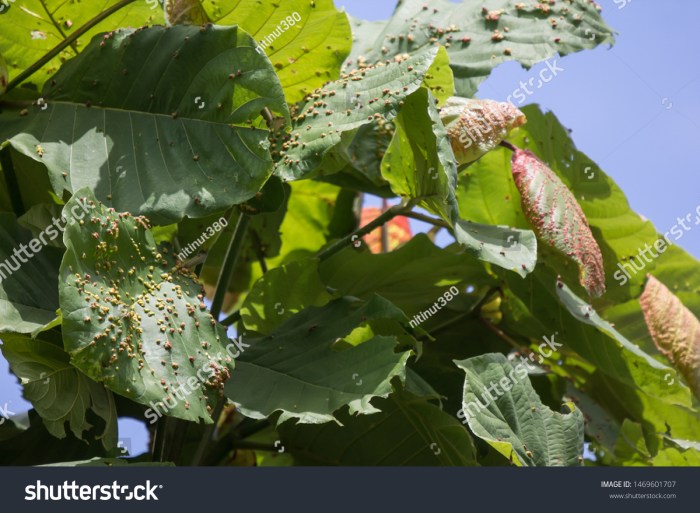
(557, 218)
(674, 329)
(476, 127)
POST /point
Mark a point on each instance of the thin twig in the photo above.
(508, 145)
(385, 217)
(427, 219)
(501, 334)
(208, 432)
(234, 249)
(234, 317)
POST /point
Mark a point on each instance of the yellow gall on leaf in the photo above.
(674, 329)
(476, 127)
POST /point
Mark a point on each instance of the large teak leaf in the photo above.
(306, 41)
(409, 430)
(514, 421)
(356, 99)
(28, 276)
(58, 391)
(297, 370)
(135, 321)
(479, 35)
(151, 120)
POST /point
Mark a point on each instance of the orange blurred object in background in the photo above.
(399, 230)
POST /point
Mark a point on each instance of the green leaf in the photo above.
(478, 42)
(408, 430)
(296, 369)
(633, 449)
(516, 423)
(28, 277)
(157, 136)
(439, 78)
(135, 321)
(307, 224)
(305, 41)
(413, 277)
(281, 293)
(348, 103)
(509, 248)
(419, 163)
(58, 391)
(33, 27)
(541, 307)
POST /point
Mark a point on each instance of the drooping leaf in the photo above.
(59, 392)
(305, 41)
(158, 136)
(297, 370)
(481, 35)
(557, 218)
(476, 127)
(408, 430)
(135, 321)
(28, 276)
(356, 99)
(674, 329)
(516, 423)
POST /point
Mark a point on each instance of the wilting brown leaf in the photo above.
(557, 218)
(399, 230)
(674, 329)
(476, 127)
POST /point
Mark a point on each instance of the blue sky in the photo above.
(634, 109)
